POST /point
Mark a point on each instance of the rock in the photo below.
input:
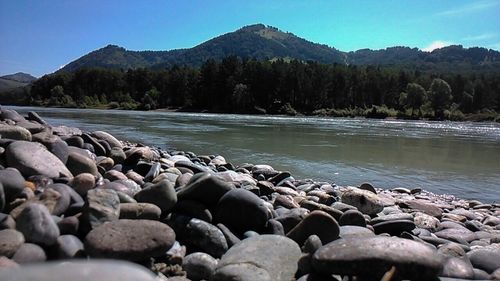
(5, 262)
(68, 246)
(37, 225)
(102, 205)
(366, 201)
(7, 222)
(14, 132)
(110, 139)
(373, 256)
(348, 231)
(113, 175)
(394, 228)
(200, 234)
(199, 266)
(241, 210)
(2, 197)
(316, 223)
(79, 271)
(32, 158)
(193, 209)
(423, 206)
(144, 211)
(82, 183)
(11, 114)
(162, 194)
(54, 144)
(133, 240)
(10, 241)
(352, 217)
(117, 155)
(264, 257)
(78, 164)
(13, 183)
(313, 206)
(458, 268)
(426, 221)
(205, 188)
(460, 235)
(289, 218)
(29, 253)
(392, 217)
(68, 225)
(367, 186)
(486, 258)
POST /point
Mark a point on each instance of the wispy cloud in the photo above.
(438, 44)
(469, 8)
(480, 37)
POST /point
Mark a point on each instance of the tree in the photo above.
(440, 96)
(415, 96)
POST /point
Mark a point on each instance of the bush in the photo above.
(380, 112)
(113, 105)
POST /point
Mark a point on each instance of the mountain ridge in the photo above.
(266, 42)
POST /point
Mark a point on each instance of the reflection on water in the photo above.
(445, 157)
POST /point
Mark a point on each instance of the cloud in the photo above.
(469, 8)
(480, 37)
(438, 44)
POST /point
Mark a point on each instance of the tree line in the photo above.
(233, 85)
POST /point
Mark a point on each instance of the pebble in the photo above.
(161, 194)
(263, 257)
(352, 217)
(205, 188)
(29, 253)
(373, 256)
(199, 266)
(367, 202)
(485, 258)
(12, 182)
(316, 223)
(394, 227)
(133, 240)
(102, 205)
(37, 225)
(10, 241)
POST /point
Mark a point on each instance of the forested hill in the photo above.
(267, 43)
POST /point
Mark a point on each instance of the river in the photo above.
(458, 158)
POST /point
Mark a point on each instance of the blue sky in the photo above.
(38, 37)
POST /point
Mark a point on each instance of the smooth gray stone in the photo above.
(13, 183)
(367, 202)
(458, 268)
(29, 253)
(373, 256)
(162, 194)
(14, 132)
(391, 217)
(241, 210)
(133, 240)
(205, 188)
(79, 164)
(394, 228)
(32, 158)
(200, 234)
(486, 258)
(68, 246)
(289, 218)
(54, 144)
(193, 209)
(352, 217)
(264, 257)
(110, 139)
(37, 225)
(457, 234)
(347, 231)
(75, 270)
(10, 241)
(199, 266)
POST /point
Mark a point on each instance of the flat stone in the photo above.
(10, 241)
(313, 206)
(29, 253)
(32, 158)
(423, 206)
(133, 240)
(78, 164)
(205, 188)
(458, 268)
(374, 256)
(82, 183)
(348, 231)
(392, 217)
(366, 201)
(110, 139)
(37, 225)
(144, 211)
(263, 257)
(161, 194)
(423, 220)
(241, 210)
(456, 234)
(199, 266)
(316, 223)
(13, 183)
(68, 246)
(352, 217)
(79, 271)
(394, 228)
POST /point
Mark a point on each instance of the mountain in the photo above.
(17, 80)
(265, 42)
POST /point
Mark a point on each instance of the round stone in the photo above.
(161, 194)
(199, 266)
(10, 241)
(205, 188)
(134, 240)
(37, 225)
(394, 228)
(29, 253)
(373, 256)
(316, 223)
(144, 211)
(82, 183)
(68, 246)
(14, 132)
(78, 164)
(367, 202)
(352, 217)
(13, 183)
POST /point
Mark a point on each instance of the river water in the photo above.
(456, 158)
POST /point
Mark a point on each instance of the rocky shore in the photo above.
(85, 206)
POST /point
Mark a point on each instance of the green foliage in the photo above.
(440, 96)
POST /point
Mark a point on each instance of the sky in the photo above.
(39, 37)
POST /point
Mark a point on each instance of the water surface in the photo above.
(458, 158)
